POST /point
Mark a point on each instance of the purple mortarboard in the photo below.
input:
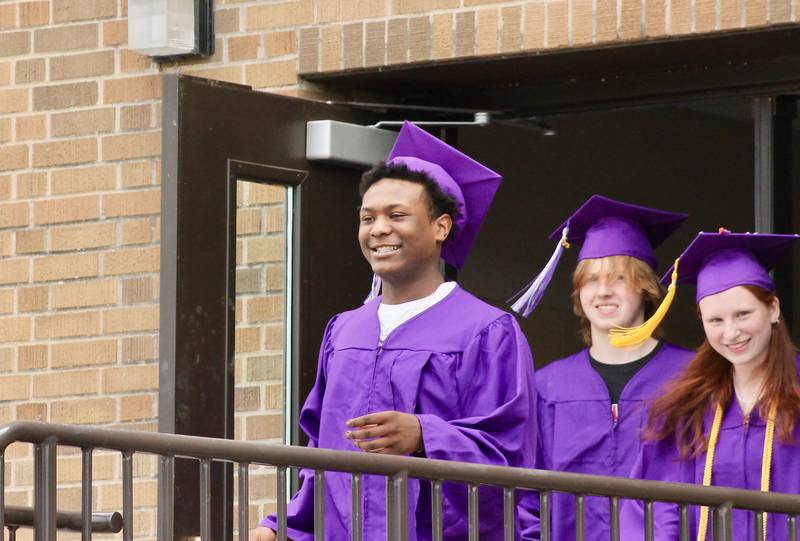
(715, 262)
(719, 261)
(471, 184)
(604, 227)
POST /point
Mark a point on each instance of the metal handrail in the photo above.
(397, 469)
(178, 445)
(101, 522)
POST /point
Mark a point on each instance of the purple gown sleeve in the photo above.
(300, 509)
(657, 462)
(497, 394)
(528, 508)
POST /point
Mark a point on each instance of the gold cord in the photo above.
(766, 464)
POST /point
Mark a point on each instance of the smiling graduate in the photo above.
(423, 367)
(731, 419)
(592, 404)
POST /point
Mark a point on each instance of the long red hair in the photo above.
(708, 381)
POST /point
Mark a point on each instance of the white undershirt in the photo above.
(392, 316)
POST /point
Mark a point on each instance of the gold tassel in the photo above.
(622, 337)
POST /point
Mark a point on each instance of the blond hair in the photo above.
(637, 273)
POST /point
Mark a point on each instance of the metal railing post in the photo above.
(472, 512)
(580, 517)
(282, 484)
(613, 504)
(436, 510)
(244, 501)
(544, 514)
(205, 500)
(648, 521)
(319, 504)
(684, 514)
(166, 498)
(44, 519)
(86, 494)
(722, 523)
(127, 496)
(509, 517)
(397, 511)
(355, 507)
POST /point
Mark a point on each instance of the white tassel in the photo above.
(375, 290)
(533, 292)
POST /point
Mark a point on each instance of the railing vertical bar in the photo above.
(319, 504)
(282, 492)
(544, 514)
(791, 526)
(244, 500)
(580, 517)
(205, 500)
(355, 497)
(12, 533)
(758, 526)
(648, 521)
(472, 512)
(127, 496)
(44, 514)
(86, 494)
(391, 517)
(722, 523)
(400, 504)
(684, 514)
(509, 522)
(436, 511)
(166, 488)
(2, 489)
(614, 508)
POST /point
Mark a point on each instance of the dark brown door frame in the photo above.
(213, 135)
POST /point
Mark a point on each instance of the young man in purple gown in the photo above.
(592, 404)
(426, 368)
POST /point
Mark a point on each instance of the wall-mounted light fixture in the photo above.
(171, 29)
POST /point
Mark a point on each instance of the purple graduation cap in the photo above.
(471, 184)
(716, 262)
(604, 227)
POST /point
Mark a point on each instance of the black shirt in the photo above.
(617, 376)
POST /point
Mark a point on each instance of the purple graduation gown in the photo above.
(464, 367)
(577, 433)
(737, 464)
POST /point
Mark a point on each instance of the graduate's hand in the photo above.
(262, 534)
(386, 432)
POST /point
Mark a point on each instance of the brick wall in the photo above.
(80, 174)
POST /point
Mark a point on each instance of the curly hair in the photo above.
(439, 201)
